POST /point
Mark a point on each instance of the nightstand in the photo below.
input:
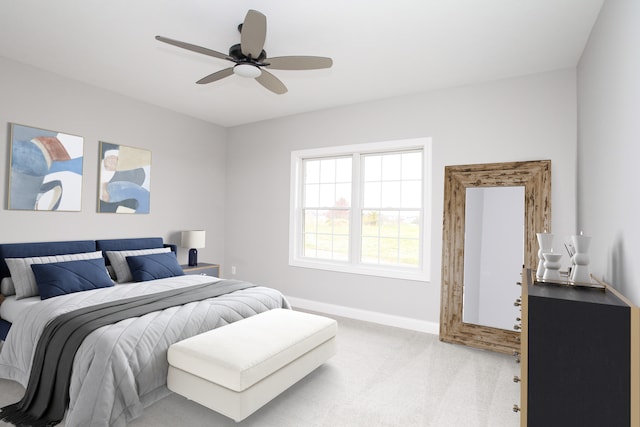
(202, 268)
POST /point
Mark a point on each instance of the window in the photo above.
(362, 208)
(326, 209)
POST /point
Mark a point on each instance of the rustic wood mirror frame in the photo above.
(535, 176)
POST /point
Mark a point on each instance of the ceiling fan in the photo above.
(250, 57)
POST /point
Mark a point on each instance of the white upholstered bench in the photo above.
(238, 368)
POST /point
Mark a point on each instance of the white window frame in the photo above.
(420, 273)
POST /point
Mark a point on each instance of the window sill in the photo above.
(366, 270)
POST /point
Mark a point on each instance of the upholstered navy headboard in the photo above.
(24, 250)
(129, 244)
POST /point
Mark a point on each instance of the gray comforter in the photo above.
(122, 368)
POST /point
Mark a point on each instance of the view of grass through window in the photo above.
(327, 208)
(392, 199)
(388, 202)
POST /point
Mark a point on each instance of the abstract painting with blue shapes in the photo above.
(125, 179)
(46, 170)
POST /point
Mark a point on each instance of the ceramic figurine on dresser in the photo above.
(580, 259)
(545, 242)
(551, 266)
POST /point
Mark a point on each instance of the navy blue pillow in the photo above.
(60, 278)
(154, 266)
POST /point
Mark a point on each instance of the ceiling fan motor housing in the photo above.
(235, 52)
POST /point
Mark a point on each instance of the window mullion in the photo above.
(356, 211)
(299, 206)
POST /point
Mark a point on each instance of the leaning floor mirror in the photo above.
(492, 213)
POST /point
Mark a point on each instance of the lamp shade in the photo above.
(193, 239)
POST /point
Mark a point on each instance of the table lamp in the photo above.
(193, 239)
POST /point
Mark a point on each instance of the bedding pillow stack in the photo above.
(23, 278)
(50, 276)
(120, 265)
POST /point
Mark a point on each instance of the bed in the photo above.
(121, 368)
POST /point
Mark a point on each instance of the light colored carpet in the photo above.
(381, 376)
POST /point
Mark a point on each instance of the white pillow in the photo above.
(119, 261)
(22, 275)
(6, 287)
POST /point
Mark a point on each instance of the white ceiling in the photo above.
(380, 49)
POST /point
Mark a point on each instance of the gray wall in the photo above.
(609, 145)
(528, 118)
(235, 182)
(187, 174)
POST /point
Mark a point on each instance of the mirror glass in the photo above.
(493, 255)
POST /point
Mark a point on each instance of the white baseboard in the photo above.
(366, 315)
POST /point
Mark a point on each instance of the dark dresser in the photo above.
(580, 360)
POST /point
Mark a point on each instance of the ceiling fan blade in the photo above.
(271, 82)
(194, 48)
(216, 76)
(299, 62)
(254, 33)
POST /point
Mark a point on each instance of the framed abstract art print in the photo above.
(125, 179)
(45, 170)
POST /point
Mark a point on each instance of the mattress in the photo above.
(12, 307)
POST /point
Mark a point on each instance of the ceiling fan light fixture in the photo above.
(247, 70)
(249, 56)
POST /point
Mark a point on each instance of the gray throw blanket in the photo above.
(47, 394)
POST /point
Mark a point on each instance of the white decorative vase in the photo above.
(551, 266)
(545, 242)
(580, 270)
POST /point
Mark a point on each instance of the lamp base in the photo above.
(193, 257)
